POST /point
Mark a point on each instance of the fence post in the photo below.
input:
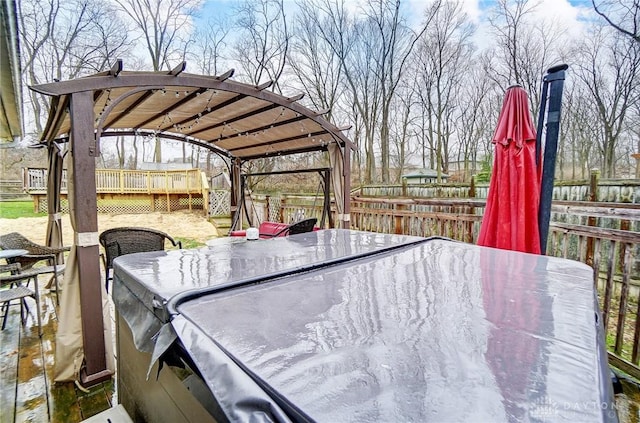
(594, 179)
(398, 218)
(472, 209)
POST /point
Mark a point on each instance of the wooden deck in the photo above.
(129, 191)
(27, 390)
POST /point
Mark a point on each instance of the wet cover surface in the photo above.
(156, 277)
(439, 331)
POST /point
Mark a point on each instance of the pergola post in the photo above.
(346, 174)
(84, 209)
(236, 194)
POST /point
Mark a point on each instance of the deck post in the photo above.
(591, 221)
(166, 187)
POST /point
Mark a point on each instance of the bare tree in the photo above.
(623, 15)
(402, 149)
(209, 46)
(576, 132)
(263, 42)
(609, 68)
(443, 54)
(314, 64)
(343, 35)
(478, 108)
(63, 40)
(525, 45)
(396, 43)
(364, 88)
(160, 23)
(373, 49)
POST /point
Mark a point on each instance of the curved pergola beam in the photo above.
(104, 82)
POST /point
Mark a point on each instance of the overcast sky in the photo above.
(569, 12)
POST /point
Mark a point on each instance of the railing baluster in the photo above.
(622, 310)
(595, 255)
(609, 285)
(582, 248)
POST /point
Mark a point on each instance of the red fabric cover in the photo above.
(510, 219)
(266, 230)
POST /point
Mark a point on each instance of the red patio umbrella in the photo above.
(510, 220)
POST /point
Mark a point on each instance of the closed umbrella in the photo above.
(511, 216)
(54, 181)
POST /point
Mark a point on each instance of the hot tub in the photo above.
(340, 325)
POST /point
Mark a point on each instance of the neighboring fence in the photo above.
(130, 191)
(610, 190)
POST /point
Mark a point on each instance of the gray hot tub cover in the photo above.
(428, 331)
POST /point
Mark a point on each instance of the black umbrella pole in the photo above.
(543, 109)
(555, 78)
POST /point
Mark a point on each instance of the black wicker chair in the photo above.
(303, 226)
(11, 277)
(127, 240)
(37, 253)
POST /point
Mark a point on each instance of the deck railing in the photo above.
(122, 181)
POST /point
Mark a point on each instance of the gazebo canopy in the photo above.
(237, 120)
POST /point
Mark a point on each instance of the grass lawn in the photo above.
(15, 209)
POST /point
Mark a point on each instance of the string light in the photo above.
(107, 102)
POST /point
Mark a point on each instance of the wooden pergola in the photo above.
(239, 122)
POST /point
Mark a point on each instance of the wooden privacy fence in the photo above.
(610, 190)
(130, 191)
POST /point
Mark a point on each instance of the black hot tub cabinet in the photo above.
(338, 325)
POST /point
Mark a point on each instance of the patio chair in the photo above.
(11, 278)
(303, 226)
(37, 253)
(127, 240)
(300, 227)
